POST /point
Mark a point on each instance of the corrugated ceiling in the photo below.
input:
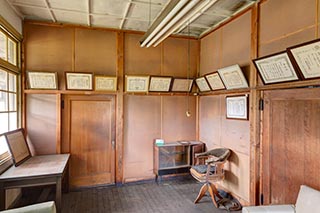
(122, 14)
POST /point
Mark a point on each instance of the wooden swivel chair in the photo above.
(210, 172)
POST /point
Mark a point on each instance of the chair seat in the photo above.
(202, 169)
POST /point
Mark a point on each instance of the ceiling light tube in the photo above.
(164, 21)
(200, 9)
(195, 16)
(183, 12)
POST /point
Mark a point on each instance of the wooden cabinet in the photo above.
(175, 157)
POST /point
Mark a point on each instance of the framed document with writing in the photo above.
(105, 83)
(202, 84)
(215, 81)
(181, 85)
(135, 83)
(306, 58)
(275, 68)
(42, 80)
(233, 77)
(79, 81)
(160, 83)
(18, 146)
(237, 107)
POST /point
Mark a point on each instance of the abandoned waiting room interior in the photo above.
(131, 93)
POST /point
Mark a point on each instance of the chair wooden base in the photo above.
(212, 191)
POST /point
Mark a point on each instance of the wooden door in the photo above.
(89, 137)
(291, 143)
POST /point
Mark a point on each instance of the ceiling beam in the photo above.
(88, 13)
(50, 11)
(125, 15)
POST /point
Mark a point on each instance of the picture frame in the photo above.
(276, 68)
(202, 84)
(305, 58)
(237, 107)
(215, 81)
(79, 80)
(182, 85)
(137, 83)
(105, 83)
(42, 80)
(18, 146)
(160, 83)
(232, 77)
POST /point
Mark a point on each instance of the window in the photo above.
(8, 49)
(10, 41)
(8, 105)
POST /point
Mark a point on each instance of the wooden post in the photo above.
(119, 110)
(254, 112)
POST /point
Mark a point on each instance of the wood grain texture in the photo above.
(210, 54)
(291, 140)
(42, 121)
(139, 61)
(286, 18)
(95, 51)
(141, 127)
(49, 49)
(90, 126)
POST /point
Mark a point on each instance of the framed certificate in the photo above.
(237, 107)
(215, 81)
(79, 81)
(18, 146)
(233, 77)
(42, 80)
(202, 84)
(306, 58)
(182, 85)
(275, 68)
(135, 83)
(105, 83)
(160, 83)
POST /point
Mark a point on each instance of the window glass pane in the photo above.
(13, 121)
(12, 52)
(12, 83)
(3, 101)
(12, 102)
(3, 145)
(3, 46)
(4, 127)
(3, 80)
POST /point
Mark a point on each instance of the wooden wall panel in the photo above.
(175, 54)
(176, 125)
(49, 49)
(282, 43)
(95, 51)
(210, 54)
(281, 17)
(142, 124)
(236, 42)
(141, 60)
(237, 177)
(41, 122)
(235, 134)
(210, 120)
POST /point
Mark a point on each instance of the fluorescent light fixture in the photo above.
(175, 15)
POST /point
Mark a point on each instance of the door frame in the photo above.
(66, 125)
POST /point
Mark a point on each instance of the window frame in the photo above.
(11, 34)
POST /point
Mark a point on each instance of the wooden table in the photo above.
(36, 171)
